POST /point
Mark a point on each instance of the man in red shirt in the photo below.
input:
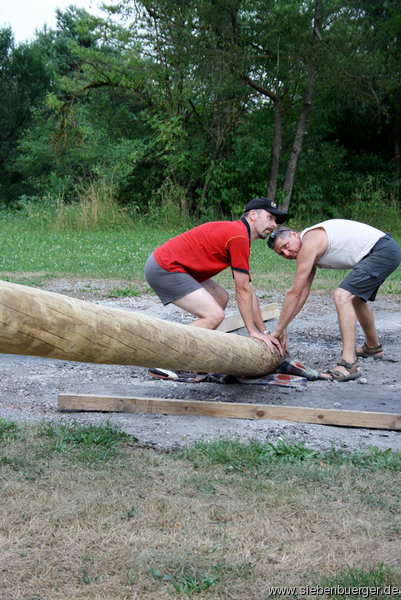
(181, 270)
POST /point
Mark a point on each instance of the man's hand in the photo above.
(282, 337)
(271, 342)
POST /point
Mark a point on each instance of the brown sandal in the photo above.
(376, 352)
(353, 371)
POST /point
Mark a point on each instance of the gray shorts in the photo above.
(367, 276)
(169, 286)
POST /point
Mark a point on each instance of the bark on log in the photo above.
(38, 323)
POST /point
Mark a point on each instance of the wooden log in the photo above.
(235, 321)
(297, 414)
(39, 323)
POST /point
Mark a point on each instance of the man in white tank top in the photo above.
(339, 244)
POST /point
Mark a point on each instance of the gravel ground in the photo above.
(30, 386)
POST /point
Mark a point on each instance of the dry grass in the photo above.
(138, 523)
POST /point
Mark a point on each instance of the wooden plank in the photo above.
(298, 414)
(235, 321)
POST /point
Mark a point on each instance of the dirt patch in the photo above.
(30, 386)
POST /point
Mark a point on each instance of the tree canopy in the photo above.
(207, 103)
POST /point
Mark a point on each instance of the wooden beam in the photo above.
(235, 321)
(38, 323)
(297, 414)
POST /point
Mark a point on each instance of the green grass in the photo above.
(126, 292)
(361, 583)
(84, 444)
(9, 430)
(31, 254)
(87, 444)
(94, 254)
(188, 581)
(255, 456)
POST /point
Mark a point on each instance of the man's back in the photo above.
(207, 249)
(348, 242)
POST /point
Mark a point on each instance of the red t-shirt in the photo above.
(207, 249)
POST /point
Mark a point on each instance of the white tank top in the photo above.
(349, 242)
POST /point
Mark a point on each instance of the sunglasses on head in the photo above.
(271, 239)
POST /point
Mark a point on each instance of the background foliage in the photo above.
(174, 107)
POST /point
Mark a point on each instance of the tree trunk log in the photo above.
(306, 109)
(38, 323)
(276, 151)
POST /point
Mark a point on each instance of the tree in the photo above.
(24, 80)
(363, 82)
(201, 55)
(188, 110)
(286, 74)
(207, 102)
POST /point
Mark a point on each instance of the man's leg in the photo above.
(217, 291)
(367, 322)
(207, 305)
(364, 281)
(347, 322)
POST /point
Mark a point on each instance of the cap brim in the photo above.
(281, 217)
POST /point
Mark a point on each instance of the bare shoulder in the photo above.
(314, 245)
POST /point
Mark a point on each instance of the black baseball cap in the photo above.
(268, 205)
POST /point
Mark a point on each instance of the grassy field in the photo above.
(88, 514)
(35, 246)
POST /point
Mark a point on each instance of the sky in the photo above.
(25, 16)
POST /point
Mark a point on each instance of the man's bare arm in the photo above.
(257, 315)
(247, 303)
(296, 296)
